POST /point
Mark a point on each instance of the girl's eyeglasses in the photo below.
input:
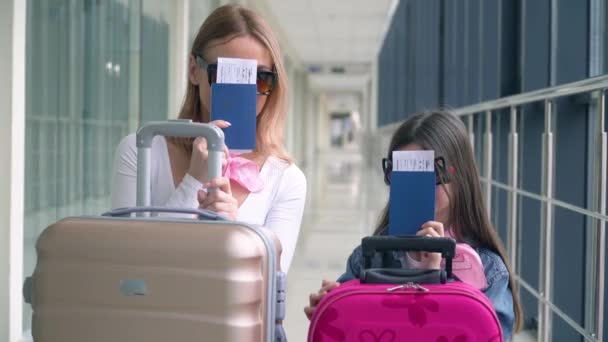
(265, 81)
(441, 176)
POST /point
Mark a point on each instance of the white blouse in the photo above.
(278, 207)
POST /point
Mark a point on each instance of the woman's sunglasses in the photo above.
(441, 176)
(265, 80)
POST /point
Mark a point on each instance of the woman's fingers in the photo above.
(221, 207)
(329, 285)
(221, 123)
(197, 168)
(315, 298)
(309, 311)
(199, 152)
(223, 183)
(437, 226)
(201, 196)
(326, 286)
(414, 255)
(218, 196)
(220, 200)
(326, 282)
(225, 158)
(428, 232)
(200, 144)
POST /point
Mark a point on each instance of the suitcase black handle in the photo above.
(373, 244)
(400, 276)
(202, 213)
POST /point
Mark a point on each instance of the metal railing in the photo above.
(592, 330)
(596, 87)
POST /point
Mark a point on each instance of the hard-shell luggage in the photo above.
(388, 305)
(149, 278)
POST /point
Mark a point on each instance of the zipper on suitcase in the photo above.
(408, 285)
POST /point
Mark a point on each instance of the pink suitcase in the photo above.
(368, 311)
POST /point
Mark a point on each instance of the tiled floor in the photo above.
(345, 199)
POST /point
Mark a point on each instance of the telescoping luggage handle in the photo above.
(372, 244)
(175, 128)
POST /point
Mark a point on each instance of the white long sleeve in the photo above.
(124, 179)
(278, 207)
(285, 215)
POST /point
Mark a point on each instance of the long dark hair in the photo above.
(447, 136)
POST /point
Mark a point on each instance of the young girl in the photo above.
(459, 212)
(263, 187)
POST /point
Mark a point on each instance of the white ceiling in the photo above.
(341, 102)
(344, 83)
(329, 33)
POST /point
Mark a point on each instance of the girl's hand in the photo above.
(315, 298)
(220, 200)
(200, 154)
(429, 260)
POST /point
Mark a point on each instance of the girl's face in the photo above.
(442, 200)
(245, 47)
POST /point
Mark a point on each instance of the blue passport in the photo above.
(236, 103)
(412, 201)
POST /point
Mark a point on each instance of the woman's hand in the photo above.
(200, 155)
(315, 298)
(220, 200)
(429, 260)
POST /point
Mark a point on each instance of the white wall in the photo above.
(310, 117)
(323, 123)
(6, 21)
(263, 8)
(376, 141)
(197, 12)
(12, 125)
(299, 87)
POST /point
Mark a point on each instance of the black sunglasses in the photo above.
(441, 176)
(265, 79)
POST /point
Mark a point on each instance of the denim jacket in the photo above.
(496, 273)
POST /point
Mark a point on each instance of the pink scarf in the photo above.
(245, 172)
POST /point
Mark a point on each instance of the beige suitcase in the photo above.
(122, 279)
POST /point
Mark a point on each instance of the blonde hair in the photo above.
(228, 22)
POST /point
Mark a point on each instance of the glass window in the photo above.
(94, 70)
(198, 12)
(77, 110)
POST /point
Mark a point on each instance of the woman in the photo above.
(263, 187)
